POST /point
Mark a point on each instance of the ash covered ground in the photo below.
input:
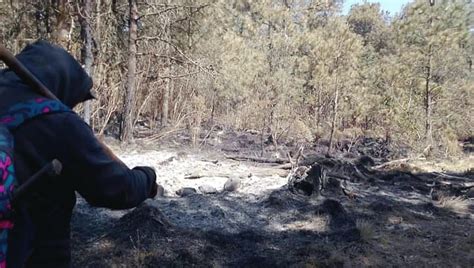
(222, 207)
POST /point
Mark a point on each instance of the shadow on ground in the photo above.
(393, 218)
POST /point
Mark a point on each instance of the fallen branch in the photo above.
(398, 161)
(198, 176)
(338, 176)
(257, 172)
(451, 177)
(167, 161)
(286, 166)
(258, 160)
(462, 186)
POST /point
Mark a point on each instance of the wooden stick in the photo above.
(53, 168)
(257, 160)
(16, 66)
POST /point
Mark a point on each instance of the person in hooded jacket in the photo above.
(41, 234)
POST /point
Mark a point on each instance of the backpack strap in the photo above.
(14, 117)
(20, 112)
(7, 185)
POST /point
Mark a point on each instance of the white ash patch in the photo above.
(224, 211)
(172, 168)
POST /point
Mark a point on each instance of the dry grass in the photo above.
(318, 224)
(461, 165)
(366, 229)
(455, 204)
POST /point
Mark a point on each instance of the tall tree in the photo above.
(368, 21)
(129, 101)
(168, 81)
(288, 68)
(434, 35)
(86, 51)
(334, 52)
(369, 108)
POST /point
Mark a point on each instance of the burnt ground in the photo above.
(386, 216)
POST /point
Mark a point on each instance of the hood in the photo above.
(53, 66)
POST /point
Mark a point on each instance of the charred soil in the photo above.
(351, 212)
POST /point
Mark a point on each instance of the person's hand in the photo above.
(157, 190)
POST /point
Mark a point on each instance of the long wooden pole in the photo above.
(20, 69)
(16, 66)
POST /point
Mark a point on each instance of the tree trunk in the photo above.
(334, 118)
(61, 33)
(98, 22)
(166, 89)
(318, 118)
(127, 120)
(428, 102)
(165, 104)
(213, 101)
(86, 52)
(428, 93)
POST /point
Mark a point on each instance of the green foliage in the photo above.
(290, 68)
(432, 46)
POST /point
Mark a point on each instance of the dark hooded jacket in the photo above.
(41, 234)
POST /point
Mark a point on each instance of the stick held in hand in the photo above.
(16, 66)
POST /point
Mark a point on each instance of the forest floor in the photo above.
(409, 213)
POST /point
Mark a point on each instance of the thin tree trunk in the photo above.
(166, 89)
(61, 33)
(87, 56)
(334, 118)
(165, 104)
(127, 120)
(98, 23)
(318, 118)
(428, 102)
(214, 98)
(428, 95)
